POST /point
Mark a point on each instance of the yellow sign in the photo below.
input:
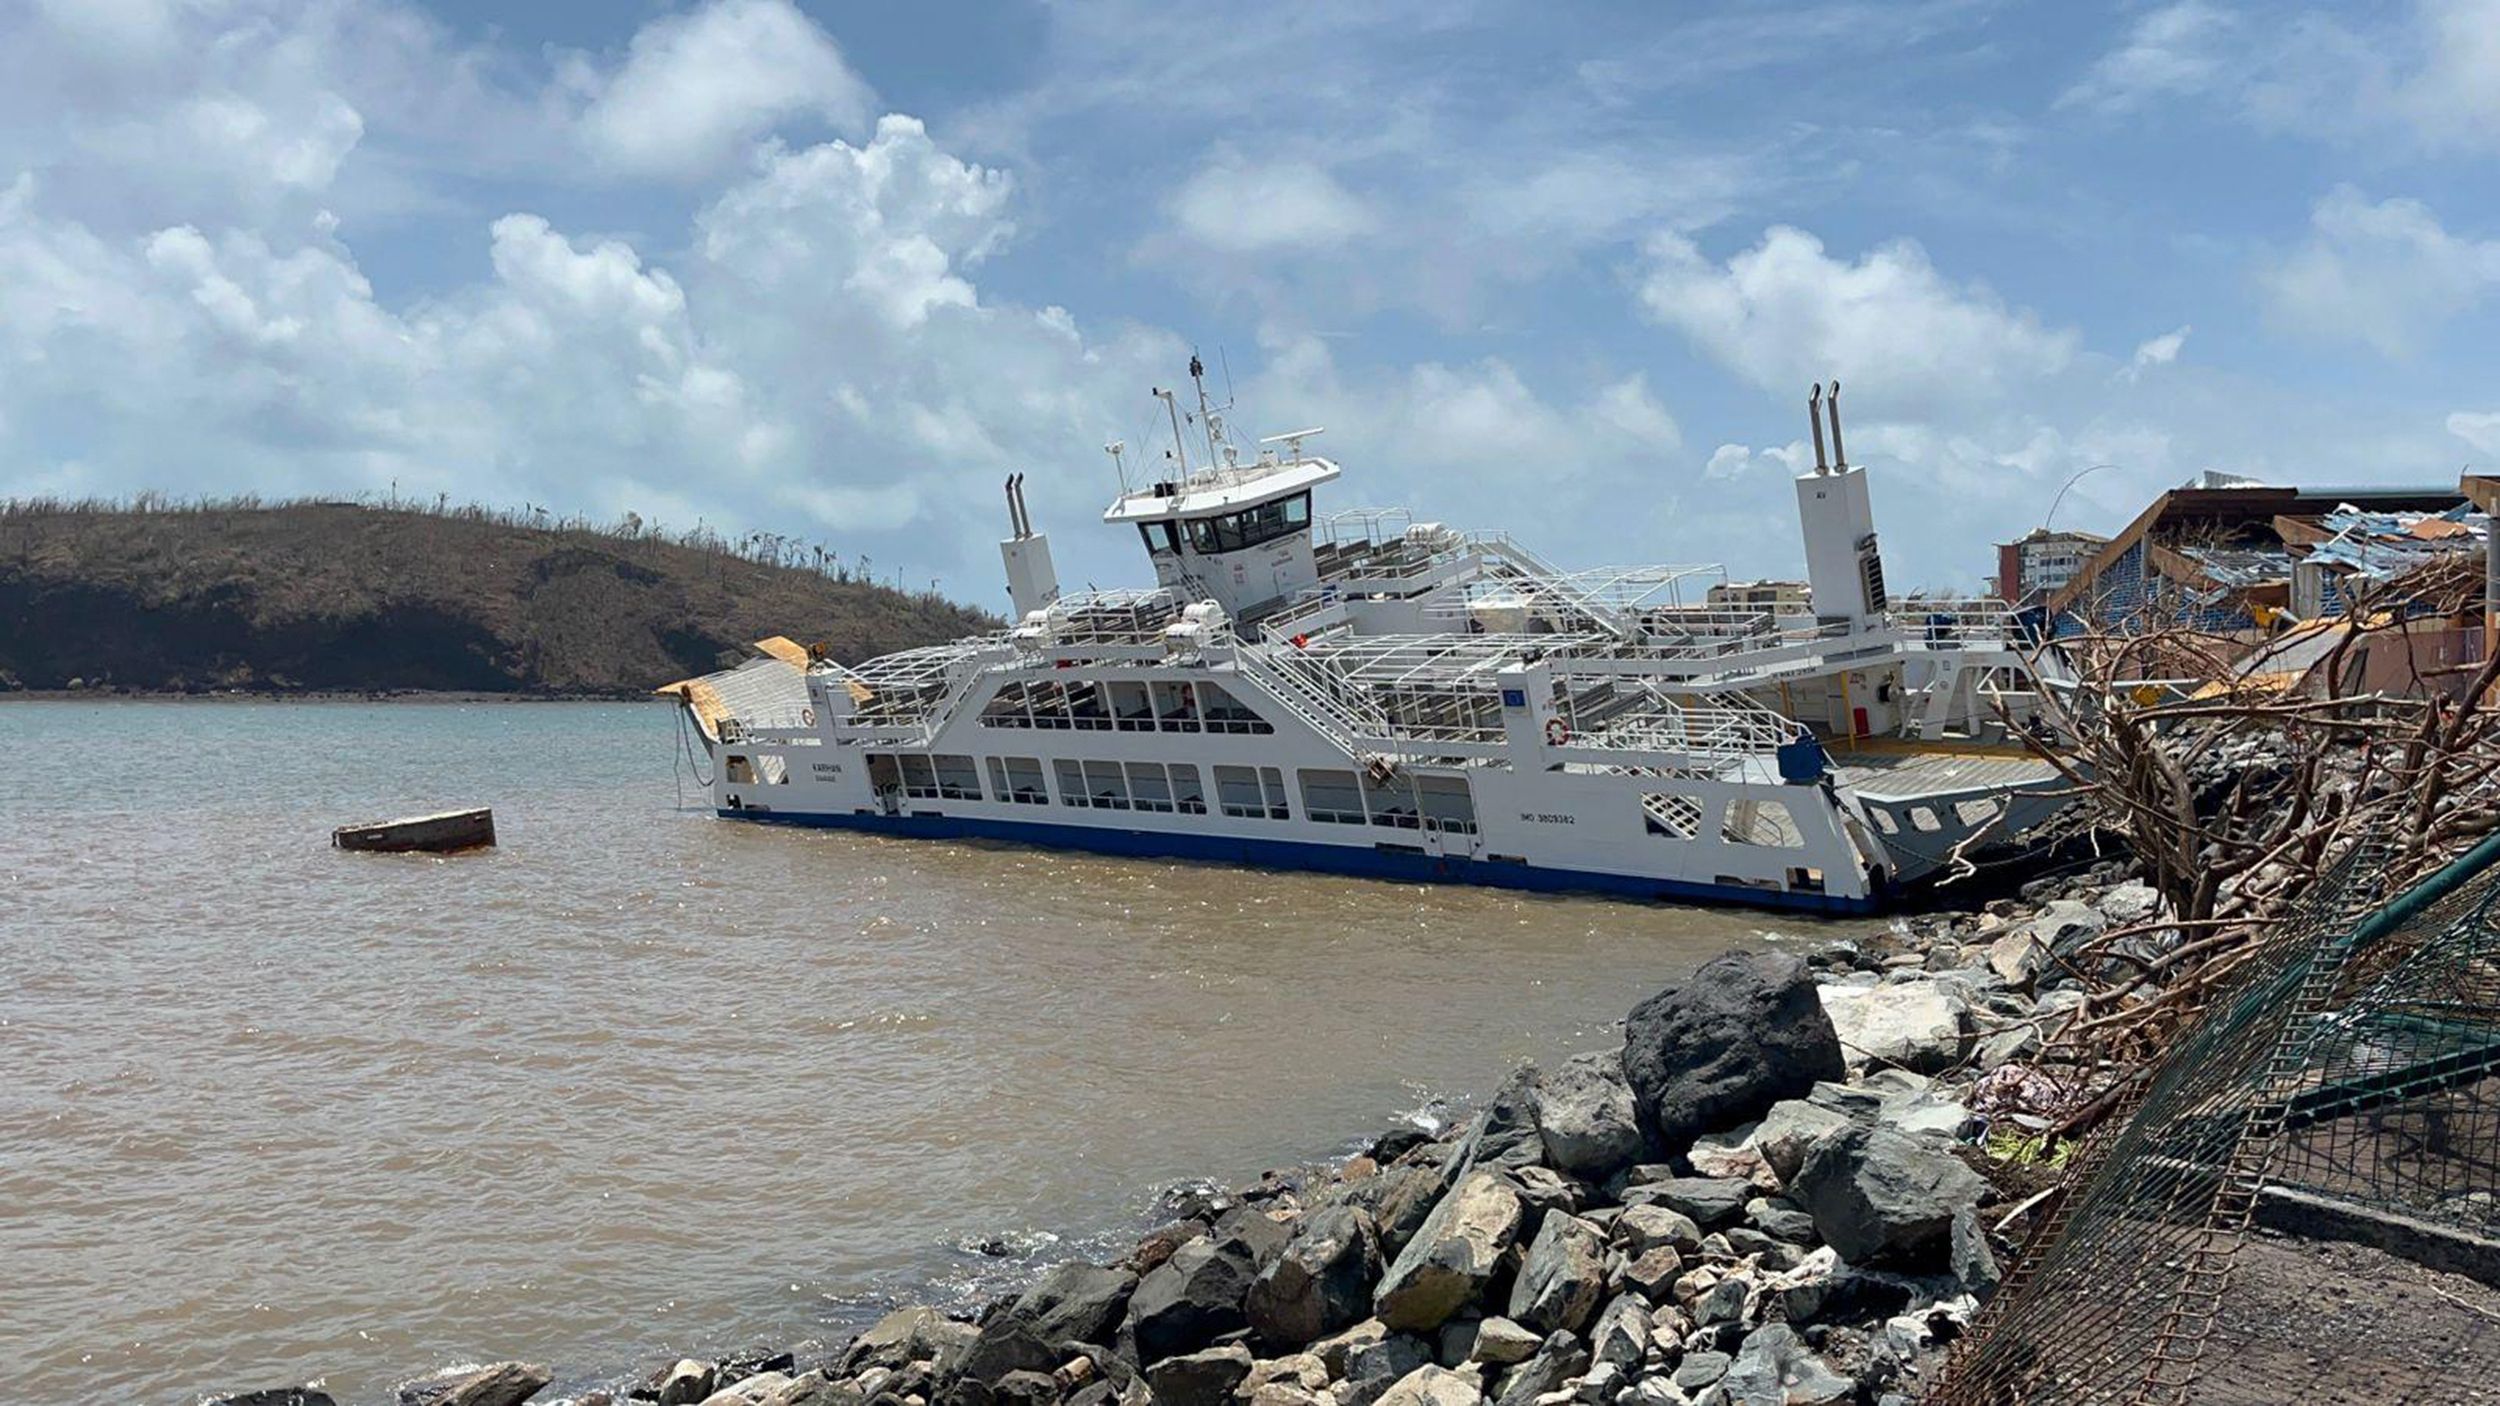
(2145, 695)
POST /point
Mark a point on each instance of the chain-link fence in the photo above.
(2345, 1085)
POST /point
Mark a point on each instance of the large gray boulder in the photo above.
(916, 1334)
(504, 1384)
(1563, 1276)
(1076, 1302)
(1883, 1197)
(1370, 1370)
(1506, 1132)
(1774, 1368)
(1320, 1282)
(1434, 1386)
(1199, 1378)
(1622, 1334)
(1584, 1112)
(1792, 1129)
(1558, 1359)
(1453, 1256)
(1921, 1024)
(1721, 1047)
(1191, 1299)
(1406, 1197)
(1712, 1202)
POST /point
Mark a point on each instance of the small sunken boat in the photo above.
(450, 831)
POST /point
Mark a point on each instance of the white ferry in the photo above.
(1370, 695)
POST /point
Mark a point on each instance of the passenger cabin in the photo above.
(1239, 535)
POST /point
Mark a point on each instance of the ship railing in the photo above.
(1723, 733)
(1544, 585)
(1311, 613)
(1116, 617)
(1322, 701)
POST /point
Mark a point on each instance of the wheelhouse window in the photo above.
(1251, 527)
(1162, 538)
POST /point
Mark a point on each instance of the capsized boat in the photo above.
(1363, 693)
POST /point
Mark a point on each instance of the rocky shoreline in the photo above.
(1781, 1189)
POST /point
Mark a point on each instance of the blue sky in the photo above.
(836, 269)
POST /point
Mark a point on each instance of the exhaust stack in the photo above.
(1831, 403)
(1814, 417)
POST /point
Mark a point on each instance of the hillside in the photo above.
(333, 596)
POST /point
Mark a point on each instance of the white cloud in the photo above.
(1240, 207)
(2169, 52)
(893, 221)
(2479, 428)
(696, 89)
(1785, 313)
(2161, 350)
(2426, 73)
(2386, 274)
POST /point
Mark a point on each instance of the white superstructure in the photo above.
(1363, 693)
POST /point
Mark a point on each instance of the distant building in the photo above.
(2040, 562)
(2282, 567)
(1778, 597)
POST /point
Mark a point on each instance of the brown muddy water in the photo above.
(641, 1081)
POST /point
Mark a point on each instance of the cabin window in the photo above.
(956, 779)
(741, 772)
(1671, 816)
(1162, 538)
(1131, 708)
(1189, 796)
(1176, 706)
(1924, 818)
(1250, 527)
(1018, 780)
(1225, 713)
(883, 776)
(1332, 797)
(1149, 788)
(1105, 787)
(1252, 795)
(919, 776)
(1765, 823)
(1447, 804)
(1392, 804)
(1071, 782)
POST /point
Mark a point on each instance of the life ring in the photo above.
(1557, 732)
(807, 717)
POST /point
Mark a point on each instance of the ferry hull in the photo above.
(1353, 861)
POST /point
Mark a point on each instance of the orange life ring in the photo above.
(1557, 732)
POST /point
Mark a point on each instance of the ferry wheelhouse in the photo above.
(1363, 693)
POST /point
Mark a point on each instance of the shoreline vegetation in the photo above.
(1789, 1183)
(301, 598)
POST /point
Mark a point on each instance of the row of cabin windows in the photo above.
(1438, 803)
(1230, 532)
(1148, 786)
(1122, 706)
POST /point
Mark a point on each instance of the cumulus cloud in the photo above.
(2383, 273)
(1785, 313)
(1244, 207)
(696, 89)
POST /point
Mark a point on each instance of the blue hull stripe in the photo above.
(1360, 861)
